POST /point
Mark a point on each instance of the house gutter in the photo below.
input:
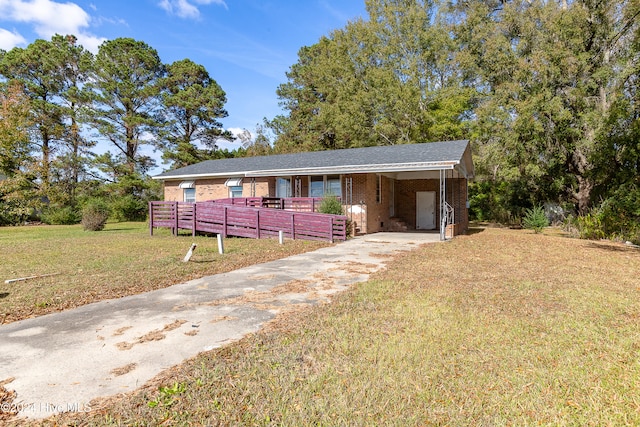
(325, 170)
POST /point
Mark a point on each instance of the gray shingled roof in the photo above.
(400, 157)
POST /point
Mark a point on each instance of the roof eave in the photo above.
(201, 175)
(328, 170)
(336, 170)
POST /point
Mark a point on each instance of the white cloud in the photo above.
(9, 40)
(89, 42)
(49, 17)
(239, 131)
(185, 8)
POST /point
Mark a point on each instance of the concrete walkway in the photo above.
(61, 361)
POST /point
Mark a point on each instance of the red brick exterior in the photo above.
(370, 210)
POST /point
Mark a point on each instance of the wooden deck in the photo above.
(249, 217)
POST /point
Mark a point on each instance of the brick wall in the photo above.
(211, 189)
(262, 186)
(357, 212)
(456, 197)
(172, 191)
(406, 199)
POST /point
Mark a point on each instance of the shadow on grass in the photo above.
(474, 230)
(202, 261)
(610, 247)
(4, 294)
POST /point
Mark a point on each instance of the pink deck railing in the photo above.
(300, 204)
(244, 219)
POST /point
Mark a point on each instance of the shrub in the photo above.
(94, 215)
(330, 204)
(66, 215)
(128, 208)
(590, 226)
(535, 219)
(617, 217)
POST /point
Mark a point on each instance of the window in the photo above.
(327, 184)
(235, 191)
(316, 186)
(333, 185)
(283, 187)
(378, 188)
(189, 195)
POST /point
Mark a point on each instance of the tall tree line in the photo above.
(546, 90)
(59, 101)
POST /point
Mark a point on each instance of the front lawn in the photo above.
(501, 327)
(82, 267)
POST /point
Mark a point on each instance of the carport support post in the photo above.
(443, 201)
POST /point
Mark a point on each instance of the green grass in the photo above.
(501, 327)
(120, 260)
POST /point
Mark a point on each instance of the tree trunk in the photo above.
(583, 195)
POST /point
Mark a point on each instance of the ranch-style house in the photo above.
(384, 188)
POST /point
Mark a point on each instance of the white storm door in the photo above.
(425, 210)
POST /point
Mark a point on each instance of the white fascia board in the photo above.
(202, 176)
(336, 170)
(330, 170)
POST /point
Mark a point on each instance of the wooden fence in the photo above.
(300, 204)
(244, 220)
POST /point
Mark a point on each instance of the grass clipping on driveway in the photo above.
(502, 327)
(81, 267)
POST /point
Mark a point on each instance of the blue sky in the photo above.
(246, 45)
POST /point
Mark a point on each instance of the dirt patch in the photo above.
(156, 335)
(356, 267)
(151, 336)
(124, 369)
(222, 319)
(121, 331)
(173, 325)
(125, 345)
(381, 255)
(262, 277)
(292, 287)
(192, 333)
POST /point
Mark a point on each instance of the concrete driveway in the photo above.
(61, 361)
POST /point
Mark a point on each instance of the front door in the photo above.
(425, 210)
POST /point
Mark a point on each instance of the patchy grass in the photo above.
(501, 327)
(121, 260)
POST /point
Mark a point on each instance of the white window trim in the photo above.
(289, 190)
(188, 184)
(231, 191)
(184, 195)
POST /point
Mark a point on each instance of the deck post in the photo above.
(193, 226)
(258, 223)
(331, 230)
(150, 218)
(293, 226)
(175, 218)
(224, 222)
